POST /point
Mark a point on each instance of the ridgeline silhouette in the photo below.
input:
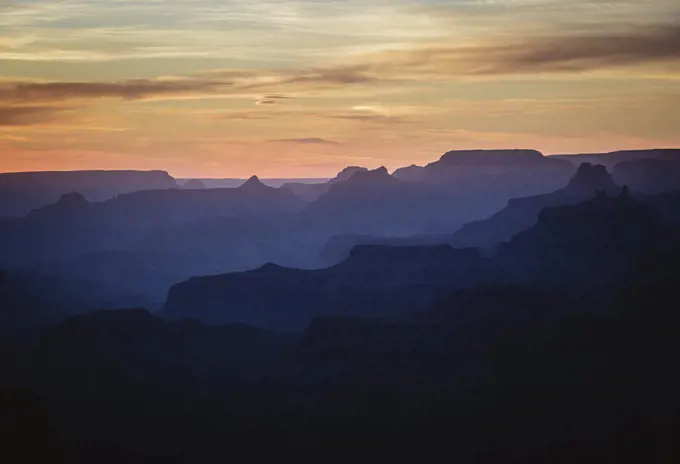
(492, 306)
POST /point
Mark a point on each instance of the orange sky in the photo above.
(304, 88)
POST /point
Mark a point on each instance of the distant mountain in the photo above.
(486, 161)
(312, 191)
(522, 213)
(23, 191)
(367, 202)
(519, 214)
(595, 242)
(483, 180)
(360, 183)
(219, 245)
(131, 278)
(375, 203)
(347, 174)
(73, 226)
(69, 204)
(233, 182)
(613, 158)
(57, 231)
(650, 176)
(338, 247)
(372, 281)
(412, 173)
(573, 248)
(129, 250)
(158, 207)
(255, 185)
(135, 268)
(193, 184)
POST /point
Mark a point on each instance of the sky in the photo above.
(303, 88)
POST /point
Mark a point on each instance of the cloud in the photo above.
(176, 87)
(378, 114)
(26, 116)
(347, 74)
(132, 89)
(556, 53)
(658, 43)
(272, 99)
(243, 116)
(7, 138)
(278, 97)
(307, 141)
(546, 53)
(371, 118)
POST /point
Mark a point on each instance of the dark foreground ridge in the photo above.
(495, 374)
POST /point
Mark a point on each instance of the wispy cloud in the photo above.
(545, 54)
(242, 116)
(181, 86)
(658, 43)
(272, 99)
(278, 97)
(307, 141)
(127, 90)
(28, 116)
(372, 118)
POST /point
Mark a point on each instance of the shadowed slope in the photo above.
(481, 181)
(23, 191)
(612, 159)
(522, 213)
(372, 281)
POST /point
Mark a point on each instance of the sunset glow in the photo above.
(305, 87)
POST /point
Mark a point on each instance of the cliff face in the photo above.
(374, 202)
(522, 213)
(194, 184)
(483, 180)
(577, 248)
(490, 158)
(176, 206)
(373, 281)
(591, 243)
(311, 192)
(141, 221)
(613, 158)
(649, 176)
(23, 191)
